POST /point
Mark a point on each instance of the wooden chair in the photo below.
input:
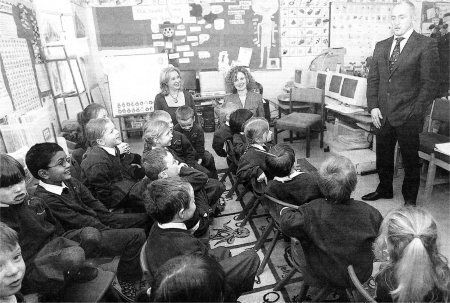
(250, 208)
(428, 140)
(231, 171)
(362, 292)
(304, 122)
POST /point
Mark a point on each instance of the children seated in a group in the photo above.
(103, 173)
(179, 144)
(171, 202)
(288, 184)
(335, 231)
(223, 133)
(416, 271)
(12, 269)
(196, 135)
(189, 278)
(54, 258)
(159, 163)
(252, 164)
(237, 121)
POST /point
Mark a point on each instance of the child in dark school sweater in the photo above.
(289, 185)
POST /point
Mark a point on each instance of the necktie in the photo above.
(395, 54)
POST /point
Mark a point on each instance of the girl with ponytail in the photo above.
(416, 272)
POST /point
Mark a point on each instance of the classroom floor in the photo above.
(438, 205)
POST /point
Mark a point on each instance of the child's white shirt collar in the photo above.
(177, 225)
(109, 150)
(288, 178)
(55, 189)
(258, 146)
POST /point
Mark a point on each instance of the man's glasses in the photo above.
(61, 162)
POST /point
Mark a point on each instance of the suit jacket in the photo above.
(413, 84)
(253, 102)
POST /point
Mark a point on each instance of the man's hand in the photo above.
(124, 148)
(376, 116)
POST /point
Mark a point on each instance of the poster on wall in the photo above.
(19, 73)
(434, 17)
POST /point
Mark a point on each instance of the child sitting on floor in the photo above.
(171, 202)
(416, 271)
(12, 269)
(224, 133)
(237, 121)
(104, 175)
(196, 135)
(252, 164)
(288, 184)
(54, 258)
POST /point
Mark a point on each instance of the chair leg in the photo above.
(224, 177)
(242, 194)
(233, 188)
(275, 133)
(268, 253)
(264, 236)
(247, 218)
(286, 279)
(323, 293)
(308, 142)
(321, 135)
(303, 292)
(290, 137)
(430, 177)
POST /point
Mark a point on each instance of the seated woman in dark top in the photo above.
(416, 272)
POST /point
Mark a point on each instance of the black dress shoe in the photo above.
(84, 274)
(375, 196)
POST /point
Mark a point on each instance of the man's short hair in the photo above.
(8, 238)
(153, 162)
(337, 179)
(40, 155)
(281, 160)
(165, 198)
(184, 113)
(238, 119)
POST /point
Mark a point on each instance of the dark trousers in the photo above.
(127, 244)
(407, 136)
(240, 270)
(209, 163)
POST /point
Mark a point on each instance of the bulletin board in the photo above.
(195, 36)
(19, 53)
(433, 13)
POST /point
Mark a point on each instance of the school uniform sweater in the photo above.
(220, 136)
(34, 223)
(239, 145)
(106, 178)
(333, 236)
(196, 136)
(299, 190)
(252, 164)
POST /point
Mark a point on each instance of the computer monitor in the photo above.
(353, 91)
(189, 78)
(321, 80)
(212, 83)
(333, 90)
(304, 78)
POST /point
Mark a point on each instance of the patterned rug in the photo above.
(226, 231)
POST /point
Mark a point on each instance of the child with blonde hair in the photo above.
(416, 271)
(252, 164)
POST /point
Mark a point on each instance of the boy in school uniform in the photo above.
(196, 135)
(237, 121)
(102, 171)
(179, 144)
(53, 258)
(224, 132)
(171, 202)
(289, 185)
(12, 269)
(74, 206)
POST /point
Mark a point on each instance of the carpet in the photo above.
(226, 231)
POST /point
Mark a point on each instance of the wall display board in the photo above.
(434, 13)
(133, 87)
(19, 52)
(358, 27)
(194, 35)
(304, 27)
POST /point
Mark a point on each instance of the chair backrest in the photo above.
(358, 285)
(230, 152)
(441, 110)
(315, 96)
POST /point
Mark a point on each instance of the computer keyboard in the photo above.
(344, 109)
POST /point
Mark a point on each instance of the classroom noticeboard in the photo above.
(133, 82)
(193, 35)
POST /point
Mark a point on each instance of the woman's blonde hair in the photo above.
(164, 78)
(254, 129)
(154, 129)
(410, 234)
(232, 76)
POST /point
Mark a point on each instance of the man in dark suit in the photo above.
(402, 82)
